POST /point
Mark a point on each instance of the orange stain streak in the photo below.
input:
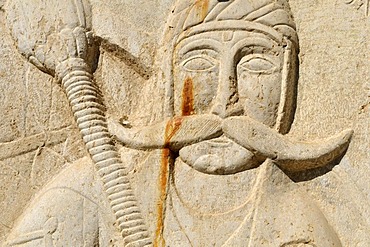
(188, 98)
(202, 6)
(172, 127)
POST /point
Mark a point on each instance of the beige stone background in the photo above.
(333, 94)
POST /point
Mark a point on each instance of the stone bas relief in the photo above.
(219, 169)
(359, 4)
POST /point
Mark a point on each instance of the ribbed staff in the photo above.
(87, 107)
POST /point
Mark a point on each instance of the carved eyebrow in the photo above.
(253, 41)
(201, 44)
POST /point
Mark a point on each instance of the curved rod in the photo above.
(89, 113)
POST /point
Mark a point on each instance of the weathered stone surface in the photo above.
(184, 123)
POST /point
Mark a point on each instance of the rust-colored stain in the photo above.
(202, 7)
(163, 178)
(172, 127)
(187, 105)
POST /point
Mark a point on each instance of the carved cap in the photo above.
(271, 17)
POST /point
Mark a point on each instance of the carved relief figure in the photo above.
(224, 166)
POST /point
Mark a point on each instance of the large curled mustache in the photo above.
(265, 143)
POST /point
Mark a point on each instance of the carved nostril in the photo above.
(219, 110)
(225, 112)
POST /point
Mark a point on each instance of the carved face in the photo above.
(228, 73)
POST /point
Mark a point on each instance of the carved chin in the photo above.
(220, 156)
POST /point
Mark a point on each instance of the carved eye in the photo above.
(257, 64)
(199, 63)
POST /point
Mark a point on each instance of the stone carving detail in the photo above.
(69, 53)
(229, 72)
(45, 233)
(359, 4)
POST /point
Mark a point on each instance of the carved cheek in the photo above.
(194, 91)
(259, 94)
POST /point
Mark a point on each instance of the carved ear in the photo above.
(288, 96)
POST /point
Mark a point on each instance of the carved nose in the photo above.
(223, 104)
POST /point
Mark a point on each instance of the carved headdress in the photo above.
(270, 17)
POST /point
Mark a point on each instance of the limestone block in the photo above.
(185, 123)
